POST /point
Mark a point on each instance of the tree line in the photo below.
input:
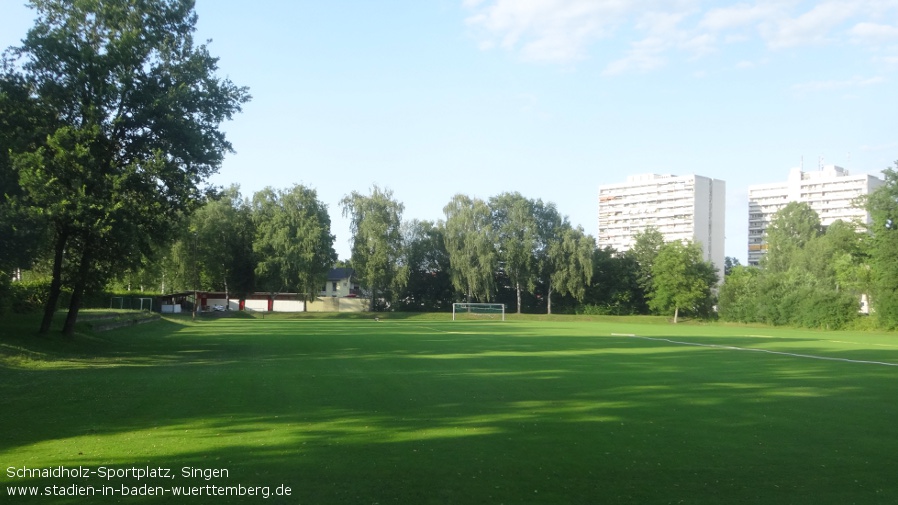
(816, 276)
(508, 249)
(110, 120)
(279, 240)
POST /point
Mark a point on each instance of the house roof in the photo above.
(337, 274)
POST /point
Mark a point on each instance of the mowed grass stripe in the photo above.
(406, 411)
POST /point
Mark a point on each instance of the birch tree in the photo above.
(471, 247)
(376, 226)
(517, 237)
(570, 263)
(294, 246)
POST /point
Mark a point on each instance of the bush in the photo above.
(30, 296)
(828, 310)
(5, 294)
(605, 310)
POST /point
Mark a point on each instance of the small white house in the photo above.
(341, 283)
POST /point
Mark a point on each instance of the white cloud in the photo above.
(813, 27)
(701, 45)
(831, 85)
(657, 30)
(880, 147)
(549, 30)
(643, 56)
(873, 32)
(747, 64)
(742, 15)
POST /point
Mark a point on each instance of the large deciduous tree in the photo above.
(790, 230)
(615, 288)
(376, 226)
(740, 298)
(470, 243)
(429, 287)
(224, 237)
(681, 279)
(294, 246)
(134, 114)
(883, 207)
(517, 237)
(24, 125)
(569, 262)
(645, 248)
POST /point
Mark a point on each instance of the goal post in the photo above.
(131, 302)
(146, 303)
(491, 310)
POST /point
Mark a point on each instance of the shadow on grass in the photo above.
(365, 413)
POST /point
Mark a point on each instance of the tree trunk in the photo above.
(68, 329)
(56, 283)
(676, 314)
(549, 299)
(518, 285)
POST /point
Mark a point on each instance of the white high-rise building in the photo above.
(688, 207)
(831, 191)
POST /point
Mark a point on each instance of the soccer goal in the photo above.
(478, 310)
(145, 303)
(129, 302)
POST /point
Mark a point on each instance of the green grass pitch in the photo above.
(421, 410)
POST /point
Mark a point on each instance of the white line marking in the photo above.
(733, 348)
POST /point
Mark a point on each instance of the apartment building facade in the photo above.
(831, 191)
(689, 207)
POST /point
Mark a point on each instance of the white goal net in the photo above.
(478, 310)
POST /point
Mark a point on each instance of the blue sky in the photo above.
(550, 98)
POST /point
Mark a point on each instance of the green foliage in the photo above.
(429, 287)
(603, 310)
(824, 309)
(569, 261)
(810, 277)
(293, 241)
(790, 230)
(471, 246)
(615, 283)
(375, 223)
(883, 207)
(739, 296)
(681, 280)
(136, 109)
(24, 297)
(797, 298)
(517, 237)
(646, 245)
(729, 264)
(224, 243)
(23, 127)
